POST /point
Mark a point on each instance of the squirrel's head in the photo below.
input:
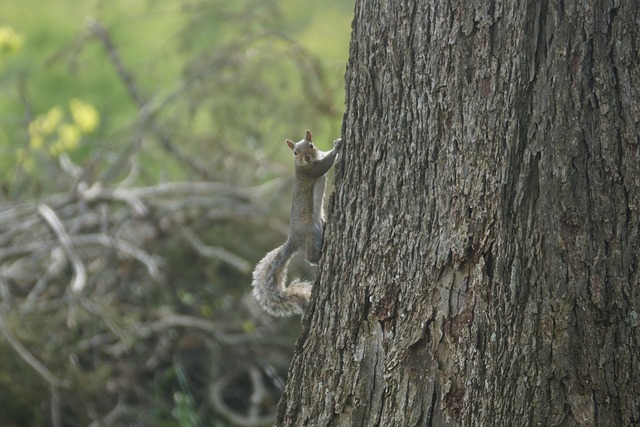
(304, 152)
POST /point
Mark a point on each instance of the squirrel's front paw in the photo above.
(338, 143)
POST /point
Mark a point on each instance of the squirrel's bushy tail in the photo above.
(269, 284)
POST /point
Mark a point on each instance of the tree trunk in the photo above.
(481, 257)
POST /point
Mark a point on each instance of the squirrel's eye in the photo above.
(310, 145)
(295, 153)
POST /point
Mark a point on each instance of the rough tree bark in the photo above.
(481, 259)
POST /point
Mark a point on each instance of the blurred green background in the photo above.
(154, 131)
(236, 70)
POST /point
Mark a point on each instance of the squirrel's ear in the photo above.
(307, 136)
(289, 143)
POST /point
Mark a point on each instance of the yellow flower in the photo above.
(36, 142)
(42, 126)
(51, 120)
(10, 41)
(69, 136)
(68, 139)
(84, 115)
(35, 128)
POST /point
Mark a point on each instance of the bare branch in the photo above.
(80, 273)
(222, 254)
(98, 30)
(216, 398)
(258, 396)
(125, 247)
(56, 417)
(120, 409)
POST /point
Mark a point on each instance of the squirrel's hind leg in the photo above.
(313, 247)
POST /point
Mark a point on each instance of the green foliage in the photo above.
(184, 408)
(20, 399)
(184, 411)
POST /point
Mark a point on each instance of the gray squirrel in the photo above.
(305, 232)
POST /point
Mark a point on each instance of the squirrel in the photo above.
(305, 232)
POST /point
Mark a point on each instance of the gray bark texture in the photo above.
(481, 260)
